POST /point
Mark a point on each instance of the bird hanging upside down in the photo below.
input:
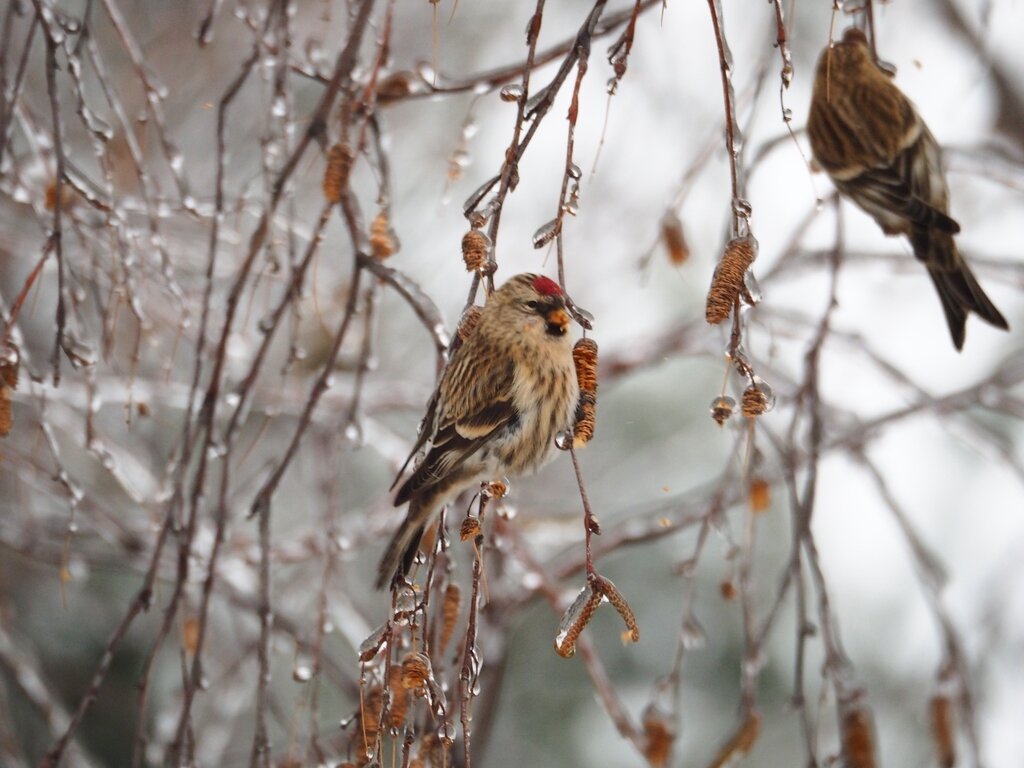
(868, 137)
(506, 392)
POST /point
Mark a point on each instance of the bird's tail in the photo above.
(401, 552)
(958, 288)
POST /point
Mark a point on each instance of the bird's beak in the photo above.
(558, 321)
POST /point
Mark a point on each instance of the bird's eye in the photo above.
(534, 305)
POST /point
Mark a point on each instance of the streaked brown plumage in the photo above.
(866, 134)
(505, 394)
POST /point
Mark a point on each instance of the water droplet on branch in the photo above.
(546, 233)
(513, 92)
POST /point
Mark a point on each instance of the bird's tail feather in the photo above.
(952, 305)
(960, 293)
(401, 552)
(958, 288)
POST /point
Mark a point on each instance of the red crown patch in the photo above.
(546, 286)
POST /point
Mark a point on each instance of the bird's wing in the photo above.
(473, 401)
(891, 189)
(900, 192)
(427, 429)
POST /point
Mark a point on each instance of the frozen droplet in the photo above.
(737, 356)
(203, 683)
(442, 334)
(314, 51)
(534, 102)
(406, 600)
(327, 627)
(279, 108)
(77, 494)
(575, 172)
(752, 666)
(531, 580)
(612, 86)
(469, 129)
(742, 208)
(372, 645)
(571, 207)
(563, 440)
(766, 390)
(787, 115)
(461, 158)
(266, 324)
(176, 162)
(737, 143)
(302, 672)
(77, 569)
(447, 733)
(751, 289)
(478, 194)
(232, 399)
(692, 634)
(722, 407)
(512, 92)
(426, 72)
(546, 233)
(475, 661)
(72, 527)
(571, 617)
(352, 432)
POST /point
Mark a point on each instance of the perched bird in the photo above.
(506, 392)
(866, 134)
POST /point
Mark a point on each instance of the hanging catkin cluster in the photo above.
(727, 283)
(340, 158)
(383, 242)
(584, 355)
(476, 247)
(755, 401)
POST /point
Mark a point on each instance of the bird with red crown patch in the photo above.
(504, 395)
